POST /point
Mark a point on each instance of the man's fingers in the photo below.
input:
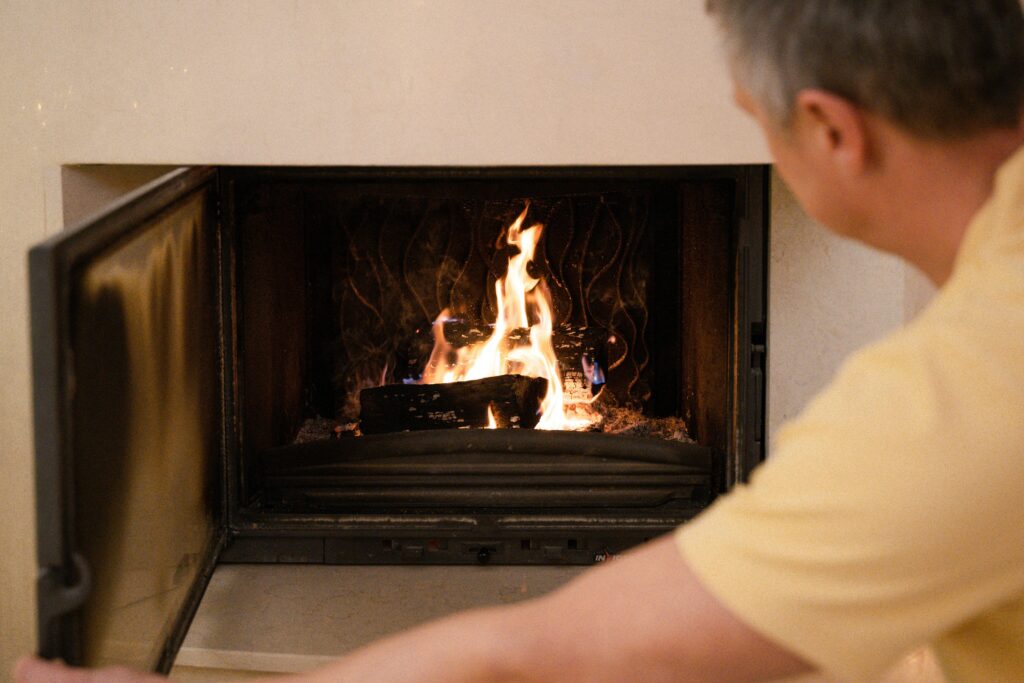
(34, 670)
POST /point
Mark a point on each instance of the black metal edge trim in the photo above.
(191, 605)
(287, 525)
(568, 172)
(766, 260)
(103, 228)
(49, 418)
(235, 489)
(749, 387)
(386, 446)
(228, 351)
(588, 547)
(758, 218)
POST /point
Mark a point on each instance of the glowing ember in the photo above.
(523, 302)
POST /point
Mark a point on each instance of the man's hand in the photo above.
(33, 670)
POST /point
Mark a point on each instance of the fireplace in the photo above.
(233, 365)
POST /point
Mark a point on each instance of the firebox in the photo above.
(384, 365)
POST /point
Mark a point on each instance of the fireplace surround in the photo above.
(182, 338)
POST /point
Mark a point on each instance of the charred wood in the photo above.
(514, 400)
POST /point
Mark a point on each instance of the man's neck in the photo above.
(942, 188)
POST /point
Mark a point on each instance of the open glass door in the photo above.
(128, 377)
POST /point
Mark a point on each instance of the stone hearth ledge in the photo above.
(289, 618)
(265, 619)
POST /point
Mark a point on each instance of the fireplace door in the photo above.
(128, 392)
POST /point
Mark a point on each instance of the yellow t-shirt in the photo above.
(891, 512)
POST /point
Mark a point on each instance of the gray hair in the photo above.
(937, 68)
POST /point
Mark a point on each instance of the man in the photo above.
(891, 512)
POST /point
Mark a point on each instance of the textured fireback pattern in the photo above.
(398, 262)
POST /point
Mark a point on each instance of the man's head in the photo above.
(840, 85)
(938, 68)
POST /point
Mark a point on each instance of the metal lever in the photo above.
(60, 598)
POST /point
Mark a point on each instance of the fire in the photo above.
(523, 302)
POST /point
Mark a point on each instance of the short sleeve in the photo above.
(892, 509)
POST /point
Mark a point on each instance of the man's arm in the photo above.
(643, 617)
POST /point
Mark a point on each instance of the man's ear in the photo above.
(835, 127)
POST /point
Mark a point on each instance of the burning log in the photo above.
(512, 400)
(574, 345)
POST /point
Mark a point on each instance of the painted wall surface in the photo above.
(380, 82)
(828, 296)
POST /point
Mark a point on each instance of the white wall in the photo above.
(460, 82)
(827, 297)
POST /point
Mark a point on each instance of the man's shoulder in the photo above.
(951, 375)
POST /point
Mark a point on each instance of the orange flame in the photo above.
(523, 301)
